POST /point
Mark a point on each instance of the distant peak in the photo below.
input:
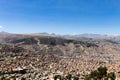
(3, 32)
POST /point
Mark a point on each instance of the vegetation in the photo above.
(8, 58)
(111, 76)
(100, 74)
(68, 77)
(56, 77)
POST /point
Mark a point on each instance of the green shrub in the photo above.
(111, 76)
(100, 74)
(56, 77)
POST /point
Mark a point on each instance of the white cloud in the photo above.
(1, 26)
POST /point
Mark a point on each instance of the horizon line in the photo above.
(63, 34)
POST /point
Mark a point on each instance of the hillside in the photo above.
(43, 56)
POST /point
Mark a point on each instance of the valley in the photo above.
(44, 56)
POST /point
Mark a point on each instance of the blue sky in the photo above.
(60, 16)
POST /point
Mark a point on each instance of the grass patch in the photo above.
(8, 58)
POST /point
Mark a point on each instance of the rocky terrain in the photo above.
(39, 56)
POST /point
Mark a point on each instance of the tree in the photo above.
(102, 71)
(69, 76)
(100, 74)
(58, 77)
(75, 78)
(111, 76)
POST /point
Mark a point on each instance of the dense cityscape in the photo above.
(44, 57)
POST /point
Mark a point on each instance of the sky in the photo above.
(60, 16)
